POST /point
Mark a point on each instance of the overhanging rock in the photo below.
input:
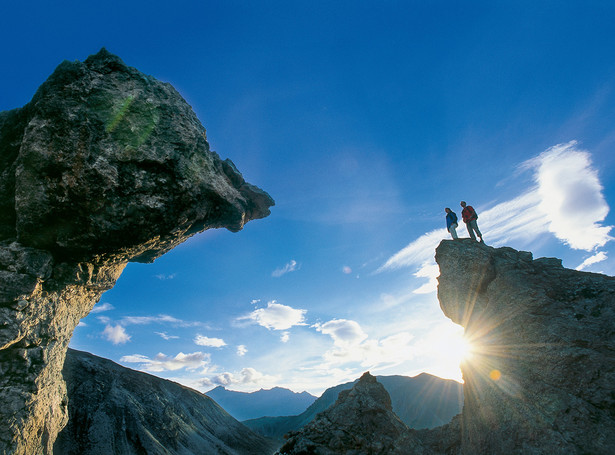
(104, 166)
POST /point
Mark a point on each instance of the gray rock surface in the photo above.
(116, 410)
(541, 374)
(104, 166)
(540, 379)
(361, 421)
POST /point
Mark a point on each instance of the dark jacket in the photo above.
(451, 218)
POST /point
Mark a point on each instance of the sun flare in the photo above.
(448, 348)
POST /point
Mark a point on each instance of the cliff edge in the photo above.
(539, 378)
(104, 166)
(541, 373)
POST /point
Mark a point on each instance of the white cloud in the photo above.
(343, 331)
(165, 336)
(285, 337)
(290, 267)
(430, 271)
(598, 257)
(571, 196)
(247, 377)
(209, 342)
(276, 316)
(163, 362)
(99, 308)
(347, 270)
(241, 350)
(116, 334)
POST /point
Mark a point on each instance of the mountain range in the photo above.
(422, 401)
(273, 402)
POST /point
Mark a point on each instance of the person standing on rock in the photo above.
(469, 216)
(451, 222)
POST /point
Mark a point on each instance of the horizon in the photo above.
(363, 122)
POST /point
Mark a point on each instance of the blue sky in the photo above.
(363, 120)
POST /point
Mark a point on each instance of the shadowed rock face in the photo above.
(361, 421)
(541, 374)
(104, 166)
(115, 410)
(540, 379)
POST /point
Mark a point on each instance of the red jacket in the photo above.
(468, 214)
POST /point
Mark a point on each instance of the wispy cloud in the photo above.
(352, 345)
(276, 316)
(209, 342)
(566, 201)
(165, 336)
(598, 257)
(99, 308)
(164, 277)
(160, 319)
(241, 350)
(116, 334)
(163, 362)
(285, 337)
(289, 267)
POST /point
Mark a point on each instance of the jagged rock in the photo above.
(423, 401)
(361, 421)
(115, 410)
(105, 165)
(541, 373)
(540, 379)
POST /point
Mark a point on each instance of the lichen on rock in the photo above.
(104, 166)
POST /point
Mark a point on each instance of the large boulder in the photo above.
(104, 166)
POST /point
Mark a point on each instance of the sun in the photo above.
(448, 349)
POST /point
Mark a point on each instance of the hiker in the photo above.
(469, 216)
(451, 222)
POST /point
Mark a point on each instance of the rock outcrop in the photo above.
(104, 166)
(422, 401)
(361, 421)
(540, 376)
(115, 410)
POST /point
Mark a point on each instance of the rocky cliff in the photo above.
(540, 376)
(104, 166)
(115, 410)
